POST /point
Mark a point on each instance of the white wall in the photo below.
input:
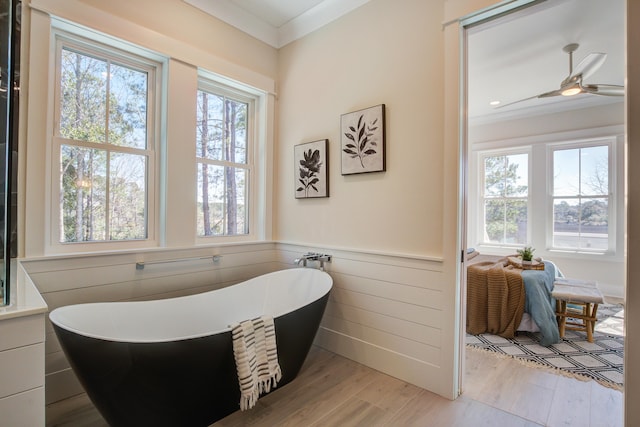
(394, 305)
(382, 53)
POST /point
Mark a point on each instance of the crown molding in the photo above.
(309, 21)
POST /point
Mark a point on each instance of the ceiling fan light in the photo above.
(570, 91)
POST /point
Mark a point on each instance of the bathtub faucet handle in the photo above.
(324, 258)
(309, 256)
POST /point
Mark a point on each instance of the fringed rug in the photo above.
(601, 360)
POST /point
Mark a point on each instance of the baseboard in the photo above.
(408, 369)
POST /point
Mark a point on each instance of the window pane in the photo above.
(127, 107)
(236, 113)
(221, 128)
(494, 175)
(127, 197)
(222, 200)
(581, 223)
(83, 194)
(494, 211)
(566, 172)
(210, 126)
(506, 221)
(516, 175)
(594, 225)
(516, 222)
(83, 94)
(594, 171)
(507, 175)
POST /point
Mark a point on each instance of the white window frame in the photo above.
(482, 155)
(102, 46)
(611, 143)
(212, 83)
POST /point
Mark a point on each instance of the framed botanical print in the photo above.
(311, 169)
(362, 135)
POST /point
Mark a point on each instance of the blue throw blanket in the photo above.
(539, 303)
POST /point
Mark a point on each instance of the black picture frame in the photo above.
(311, 169)
(362, 141)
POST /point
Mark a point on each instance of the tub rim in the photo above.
(54, 315)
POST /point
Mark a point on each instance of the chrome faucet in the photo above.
(312, 256)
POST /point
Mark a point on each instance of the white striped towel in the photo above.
(256, 355)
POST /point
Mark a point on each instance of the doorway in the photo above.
(523, 124)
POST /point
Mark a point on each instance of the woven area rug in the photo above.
(601, 360)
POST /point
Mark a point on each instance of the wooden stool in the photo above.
(576, 299)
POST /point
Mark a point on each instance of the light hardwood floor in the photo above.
(334, 391)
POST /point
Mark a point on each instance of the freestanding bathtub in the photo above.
(170, 362)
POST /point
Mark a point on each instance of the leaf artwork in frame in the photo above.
(311, 169)
(362, 135)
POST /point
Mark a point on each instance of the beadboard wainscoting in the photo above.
(114, 277)
(385, 311)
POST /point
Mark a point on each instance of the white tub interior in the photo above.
(192, 316)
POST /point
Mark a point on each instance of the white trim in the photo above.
(540, 147)
(255, 162)
(315, 18)
(419, 257)
(87, 44)
(612, 196)
(108, 24)
(306, 23)
(480, 199)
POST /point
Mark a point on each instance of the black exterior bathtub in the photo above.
(183, 382)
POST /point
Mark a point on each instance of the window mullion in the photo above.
(107, 202)
(107, 104)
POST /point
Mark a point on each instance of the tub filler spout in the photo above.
(313, 256)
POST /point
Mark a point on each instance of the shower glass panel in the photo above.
(9, 87)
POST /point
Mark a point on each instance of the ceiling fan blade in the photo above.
(550, 94)
(542, 95)
(515, 102)
(604, 89)
(588, 65)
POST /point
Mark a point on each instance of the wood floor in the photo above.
(334, 391)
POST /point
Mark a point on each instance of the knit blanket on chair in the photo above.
(495, 298)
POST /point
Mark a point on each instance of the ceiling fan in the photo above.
(573, 84)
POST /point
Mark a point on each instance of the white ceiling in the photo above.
(277, 22)
(511, 58)
(520, 55)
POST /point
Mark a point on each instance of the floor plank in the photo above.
(334, 391)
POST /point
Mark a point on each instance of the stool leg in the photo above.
(594, 315)
(563, 318)
(590, 322)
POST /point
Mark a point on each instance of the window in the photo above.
(103, 143)
(581, 188)
(224, 160)
(505, 193)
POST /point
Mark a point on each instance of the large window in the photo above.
(581, 188)
(555, 196)
(224, 161)
(505, 198)
(103, 143)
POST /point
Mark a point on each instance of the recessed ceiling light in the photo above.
(494, 103)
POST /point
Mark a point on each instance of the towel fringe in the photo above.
(255, 352)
